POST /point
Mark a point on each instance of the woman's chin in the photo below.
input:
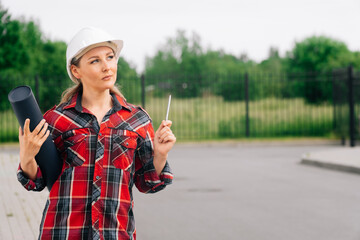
(108, 84)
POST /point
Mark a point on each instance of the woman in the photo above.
(107, 145)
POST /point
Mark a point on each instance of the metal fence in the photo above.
(249, 105)
(346, 94)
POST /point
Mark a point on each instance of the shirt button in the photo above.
(127, 144)
(97, 177)
(100, 134)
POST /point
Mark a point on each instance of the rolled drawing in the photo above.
(25, 106)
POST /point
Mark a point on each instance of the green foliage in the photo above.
(355, 60)
(187, 67)
(317, 55)
(182, 61)
(177, 56)
(128, 82)
(274, 63)
(219, 62)
(53, 59)
(11, 39)
(231, 87)
(233, 128)
(24, 51)
(26, 56)
(180, 57)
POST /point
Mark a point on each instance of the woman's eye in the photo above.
(94, 61)
(111, 56)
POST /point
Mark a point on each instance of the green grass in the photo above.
(213, 118)
(9, 127)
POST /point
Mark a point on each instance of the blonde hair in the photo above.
(71, 91)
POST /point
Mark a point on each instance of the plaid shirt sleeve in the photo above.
(146, 178)
(37, 185)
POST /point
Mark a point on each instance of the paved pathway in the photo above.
(220, 191)
(20, 210)
(251, 192)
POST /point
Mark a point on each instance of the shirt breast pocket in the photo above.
(123, 149)
(75, 142)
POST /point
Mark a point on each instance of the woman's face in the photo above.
(97, 69)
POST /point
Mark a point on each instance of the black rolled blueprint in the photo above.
(25, 106)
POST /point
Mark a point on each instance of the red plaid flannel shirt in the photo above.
(92, 198)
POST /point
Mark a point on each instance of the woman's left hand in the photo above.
(164, 139)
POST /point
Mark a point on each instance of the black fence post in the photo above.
(351, 106)
(334, 99)
(37, 96)
(143, 90)
(247, 122)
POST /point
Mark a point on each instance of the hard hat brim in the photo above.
(116, 45)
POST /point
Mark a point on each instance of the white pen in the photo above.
(168, 108)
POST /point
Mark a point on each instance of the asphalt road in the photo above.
(250, 192)
(220, 191)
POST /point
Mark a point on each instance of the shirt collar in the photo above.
(118, 103)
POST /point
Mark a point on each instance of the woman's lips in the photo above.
(108, 77)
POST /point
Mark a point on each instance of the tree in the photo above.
(355, 62)
(180, 60)
(12, 54)
(128, 81)
(12, 48)
(317, 55)
(188, 70)
(274, 63)
(178, 55)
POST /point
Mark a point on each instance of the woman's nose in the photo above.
(106, 66)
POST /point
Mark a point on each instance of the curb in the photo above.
(341, 159)
(332, 166)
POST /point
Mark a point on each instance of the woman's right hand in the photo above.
(30, 144)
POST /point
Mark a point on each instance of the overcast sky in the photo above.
(236, 26)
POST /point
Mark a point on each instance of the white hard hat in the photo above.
(87, 39)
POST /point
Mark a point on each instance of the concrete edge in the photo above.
(329, 165)
(9, 146)
(264, 142)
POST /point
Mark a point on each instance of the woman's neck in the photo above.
(96, 100)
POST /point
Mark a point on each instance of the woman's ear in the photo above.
(75, 71)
